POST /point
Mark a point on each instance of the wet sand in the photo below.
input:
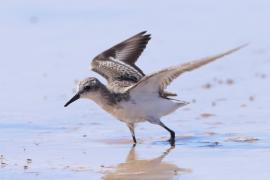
(71, 153)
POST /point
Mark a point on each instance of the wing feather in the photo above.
(157, 82)
(112, 62)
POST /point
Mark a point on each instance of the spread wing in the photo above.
(117, 64)
(157, 82)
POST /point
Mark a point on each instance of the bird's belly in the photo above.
(139, 111)
(129, 112)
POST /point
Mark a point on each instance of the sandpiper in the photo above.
(130, 95)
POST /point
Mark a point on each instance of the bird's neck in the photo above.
(105, 98)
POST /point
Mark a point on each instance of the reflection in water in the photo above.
(133, 168)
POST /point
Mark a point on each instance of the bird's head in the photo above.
(87, 88)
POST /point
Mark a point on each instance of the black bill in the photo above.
(74, 98)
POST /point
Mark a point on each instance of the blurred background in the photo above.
(47, 46)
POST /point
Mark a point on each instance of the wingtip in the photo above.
(243, 46)
(236, 49)
(145, 34)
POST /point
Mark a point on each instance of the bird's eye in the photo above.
(87, 87)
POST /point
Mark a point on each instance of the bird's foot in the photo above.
(172, 141)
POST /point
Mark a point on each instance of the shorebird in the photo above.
(130, 95)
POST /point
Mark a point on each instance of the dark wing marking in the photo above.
(126, 52)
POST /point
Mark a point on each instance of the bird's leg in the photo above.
(172, 133)
(158, 122)
(131, 128)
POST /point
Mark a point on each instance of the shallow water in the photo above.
(47, 47)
